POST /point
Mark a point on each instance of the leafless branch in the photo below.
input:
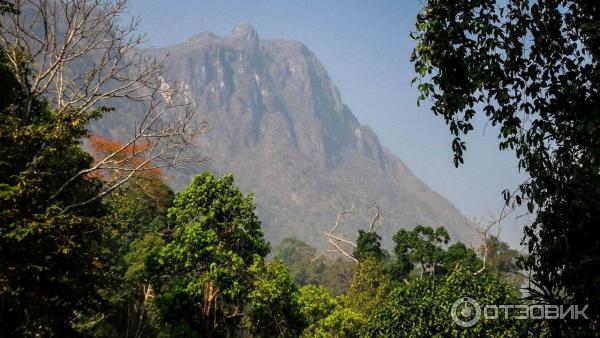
(83, 55)
(375, 218)
(334, 239)
(340, 243)
(483, 228)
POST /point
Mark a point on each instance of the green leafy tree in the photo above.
(368, 244)
(458, 254)
(326, 316)
(422, 246)
(272, 306)
(371, 282)
(531, 67)
(204, 273)
(422, 308)
(137, 222)
(341, 322)
(402, 264)
(315, 303)
(53, 260)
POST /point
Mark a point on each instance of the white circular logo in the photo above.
(465, 312)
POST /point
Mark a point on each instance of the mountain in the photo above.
(279, 125)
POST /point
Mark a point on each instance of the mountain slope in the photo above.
(280, 126)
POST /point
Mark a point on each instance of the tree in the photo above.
(136, 222)
(326, 316)
(504, 261)
(369, 241)
(368, 244)
(82, 55)
(422, 246)
(272, 306)
(459, 255)
(371, 283)
(301, 259)
(53, 264)
(402, 265)
(341, 322)
(315, 303)
(138, 202)
(422, 308)
(306, 267)
(532, 68)
(203, 275)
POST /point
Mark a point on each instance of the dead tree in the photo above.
(483, 228)
(338, 241)
(81, 55)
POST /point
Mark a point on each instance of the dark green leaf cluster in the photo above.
(52, 261)
(368, 244)
(532, 68)
(204, 273)
(422, 307)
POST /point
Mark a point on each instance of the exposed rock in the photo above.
(280, 126)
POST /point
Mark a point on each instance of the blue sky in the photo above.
(365, 47)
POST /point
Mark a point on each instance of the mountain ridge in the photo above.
(280, 126)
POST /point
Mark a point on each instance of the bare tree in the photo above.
(82, 55)
(483, 229)
(339, 242)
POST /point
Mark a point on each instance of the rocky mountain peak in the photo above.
(244, 34)
(280, 126)
(244, 31)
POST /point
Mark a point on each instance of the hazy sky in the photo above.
(365, 47)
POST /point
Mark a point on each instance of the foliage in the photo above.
(299, 257)
(53, 261)
(326, 316)
(458, 254)
(402, 265)
(218, 206)
(141, 262)
(204, 273)
(306, 267)
(422, 308)
(140, 204)
(368, 244)
(503, 261)
(370, 283)
(137, 223)
(341, 322)
(532, 68)
(422, 246)
(315, 303)
(129, 156)
(273, 309)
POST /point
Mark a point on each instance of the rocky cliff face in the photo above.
(280, 126)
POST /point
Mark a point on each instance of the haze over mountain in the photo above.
(279, 125)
